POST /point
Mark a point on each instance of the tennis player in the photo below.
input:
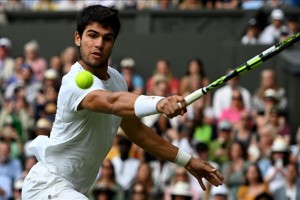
(87, 120)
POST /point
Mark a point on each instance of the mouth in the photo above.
(97, 55)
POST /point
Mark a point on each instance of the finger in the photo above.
(201, 184)
(213, 179)
(219, 175)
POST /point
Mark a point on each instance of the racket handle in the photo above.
(191, 98)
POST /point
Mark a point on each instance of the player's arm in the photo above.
(147, 139)
(127, 104)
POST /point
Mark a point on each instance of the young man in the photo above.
(87, 120)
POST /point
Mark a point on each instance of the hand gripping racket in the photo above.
(249, 65)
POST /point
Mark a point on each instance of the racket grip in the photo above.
(191, 98)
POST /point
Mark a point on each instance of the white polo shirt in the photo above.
(79, 140)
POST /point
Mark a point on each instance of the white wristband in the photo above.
(146, 105)
(182, 158)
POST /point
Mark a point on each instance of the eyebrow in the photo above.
(96, 32)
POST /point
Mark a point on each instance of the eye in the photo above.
(108, 38)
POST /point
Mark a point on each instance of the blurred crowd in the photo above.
(246, 135)
(75, 5)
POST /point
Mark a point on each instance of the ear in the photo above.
(77, 39)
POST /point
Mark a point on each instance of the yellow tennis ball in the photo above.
(84, 79)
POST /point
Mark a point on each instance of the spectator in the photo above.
(125, 166)
(183, 139)
(70, 5)
(275, 175)
(236, 108)
(103, 192)
(135, 82)
(7, 63)
(10, 135)
(252, 4)
(32, 58)
(181, 176)
(163, 67)
(139, 192)
(202, 152)
(268, 80)
(220, 193)
(5, 187)
(234, 168)
(293, 27)
(42, 127)
(45, 5)
(144, 176)
(252, 33)
(162, 173)
(271, 33)
(181, 190)
(69, 57)
(227, 4)
(201, 130)
(243, 132)
(12, 168)
(218, 148)
(29, 162)
(14, 5)
(291, 188)
(295, 150)
(190, 5)
(107, 177)
(254, 184)
(57, 65)
(222, 97)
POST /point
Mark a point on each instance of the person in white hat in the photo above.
(272, 33)
(7, 63)
(134, 81)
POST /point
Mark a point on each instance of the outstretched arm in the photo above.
(147, 139)
(127, 104)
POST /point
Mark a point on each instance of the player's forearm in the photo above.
(148, 140)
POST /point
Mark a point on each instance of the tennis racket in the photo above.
(249, 65)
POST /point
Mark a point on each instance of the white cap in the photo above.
(5, 42)
(277, 14)
(51, 74)
(181, 189)
(279, 145)
(127, 62)
(220, 190)
(271, 93)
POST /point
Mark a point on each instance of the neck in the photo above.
(100, 72)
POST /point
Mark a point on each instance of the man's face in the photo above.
(95, 45)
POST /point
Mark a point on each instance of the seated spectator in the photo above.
(291, 188)
(139, 192)
(135, 82)
(218, 148)
(103, 192)
(227, 4)
(181, 190)
(275, 175)
(144, 176)
(223, 96)
(268, 80)
(183, 139)
(5, 187)
(15, 5)
(220, 193)
(181, 176)
(163, 67)
(295, 150)
(7, 63)
(107, 178)
(69, 57)
(37, 63)
(243, 131)
(11, 168)
(233, 113)
(162, 173)
(189, 5)
(70, 5)
(233, 169)
(45, 5)
(271, 33)
(252, 33)
(125, 166)
(254, 184)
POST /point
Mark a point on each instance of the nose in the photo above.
(99, 42)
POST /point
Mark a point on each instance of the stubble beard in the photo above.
(95, 65)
